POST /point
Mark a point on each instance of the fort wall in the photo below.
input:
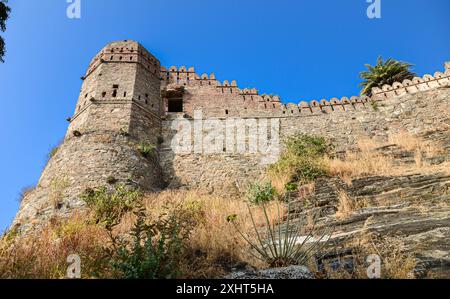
(127, 99)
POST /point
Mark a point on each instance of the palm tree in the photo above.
(386, 72)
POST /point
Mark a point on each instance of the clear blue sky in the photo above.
(298, 49)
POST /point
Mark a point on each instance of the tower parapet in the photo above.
(118, 109)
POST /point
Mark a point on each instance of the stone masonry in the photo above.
(127, 100)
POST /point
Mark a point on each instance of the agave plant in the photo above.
(385, 72)
(282, 241)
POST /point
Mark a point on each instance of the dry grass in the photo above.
(215, 242)
(346, 205)
(395, 262)
(43, 255)
(214, 245)
(57, 191)
(365, 161)
(279, 180)
(368, 159)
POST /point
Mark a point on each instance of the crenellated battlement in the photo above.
(245, 102)
(413, 86)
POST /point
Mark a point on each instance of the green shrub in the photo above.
(302, 159)
(109, 206)
(52, 152)
(261, 193)
(147, 150)
(374, 105)
(303, 145)
(291, 186)
(152, 251)
(124, 131)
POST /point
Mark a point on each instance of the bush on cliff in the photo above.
(152, 250)
(108, 206)
(147, 150)
(260, 193)
(301, 160)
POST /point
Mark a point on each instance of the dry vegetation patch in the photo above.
(372, 158)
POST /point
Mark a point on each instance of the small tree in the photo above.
(4, 15)
(387, 72)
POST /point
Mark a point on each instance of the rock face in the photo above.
(291, 272)
(415, 209)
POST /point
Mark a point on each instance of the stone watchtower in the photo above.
(119, 109)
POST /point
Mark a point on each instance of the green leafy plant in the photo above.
(301, 159)
(52, 152)
(123, 132)
(291, 186)
(261, 193)
(147, 150)
(109, 206)
(152, 251)
(283, 242)
(384, 72)
(374, 105)
(306, 145)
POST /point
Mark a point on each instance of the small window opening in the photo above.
(226, 111)
(125, 94)
(116, 86)
(103, 94)
(114, 94)
(175, 105)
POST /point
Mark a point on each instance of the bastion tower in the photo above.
(118, 111)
